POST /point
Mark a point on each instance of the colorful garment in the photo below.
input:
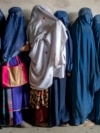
(17, 98)
(2, 27)
(39, 104)
(85, 74)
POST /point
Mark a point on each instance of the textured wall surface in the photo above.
(71, 6)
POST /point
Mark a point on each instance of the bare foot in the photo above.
(88, 123)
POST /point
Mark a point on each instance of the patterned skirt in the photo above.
(39, 103)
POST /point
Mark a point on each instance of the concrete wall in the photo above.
(71, 6)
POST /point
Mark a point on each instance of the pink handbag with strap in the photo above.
(14, 76)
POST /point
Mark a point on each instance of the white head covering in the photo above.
(48, 37)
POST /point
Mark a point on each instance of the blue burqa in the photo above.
(85, 79)
(15, 99)
(58, 100)
(16, 22)
(95, 115)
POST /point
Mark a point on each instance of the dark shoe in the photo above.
(42, 124)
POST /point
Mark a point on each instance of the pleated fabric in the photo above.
(95, 115)
(16, 31)
(15, 99)
(85, 75)
(58, 99)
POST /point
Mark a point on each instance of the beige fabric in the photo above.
(47, 37)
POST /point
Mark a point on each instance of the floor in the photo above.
(69, 129)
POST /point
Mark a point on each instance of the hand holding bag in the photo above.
(14, 76)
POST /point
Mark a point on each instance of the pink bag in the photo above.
(14, 76)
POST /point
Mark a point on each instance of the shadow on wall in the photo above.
(27, 14)
(72, 16)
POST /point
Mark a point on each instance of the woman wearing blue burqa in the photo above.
(15, 99)
(85, 74)
(58, 100)
(2, 27)
(95, 115)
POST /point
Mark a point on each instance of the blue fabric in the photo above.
(15, 34)
(2, 27)
(20, 99)
(58, 103)
(95, 115)
(13, 39)
(85, 79)
(18, 118)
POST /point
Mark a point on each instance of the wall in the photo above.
(71, 6)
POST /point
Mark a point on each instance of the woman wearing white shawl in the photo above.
(47, 37)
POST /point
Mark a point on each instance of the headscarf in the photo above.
(96, 31)
(85, 78)
(47, 37)
(15, 34)
(95, 114)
